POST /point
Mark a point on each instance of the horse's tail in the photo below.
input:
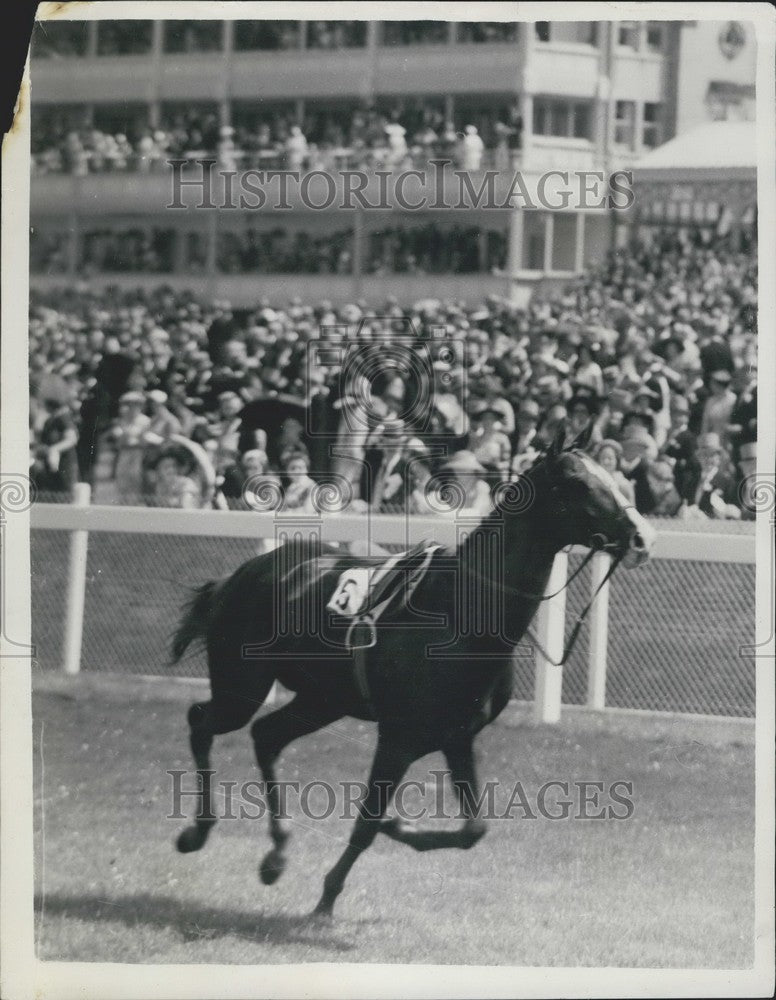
(194, 620)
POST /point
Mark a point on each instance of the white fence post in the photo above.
(599, 632)
(76, 586)
(548, 680)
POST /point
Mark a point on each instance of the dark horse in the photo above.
(430, 688)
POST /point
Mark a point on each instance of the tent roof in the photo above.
(714, 145)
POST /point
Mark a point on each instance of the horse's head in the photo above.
(587, 505)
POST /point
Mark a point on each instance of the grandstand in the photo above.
(543, 96)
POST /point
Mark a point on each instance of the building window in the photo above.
(628, 34)
(193, 36)
(562, 118)
(58, 39)
(624, 123)
(564, 235)
(730, 101)
(655, 36)
(651, 133)
(487, 31)
(336, 34)
(533, 241)
(124, 38)
(415, 32)
(267, 36)
(576, 32)
(581, 121)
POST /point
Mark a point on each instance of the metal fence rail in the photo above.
(671, 641)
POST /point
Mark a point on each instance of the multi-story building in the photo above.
(557, 95)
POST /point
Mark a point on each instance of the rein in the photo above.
(599, 545)
(580, 618)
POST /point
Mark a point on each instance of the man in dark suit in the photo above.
(680, 444)
(384, 480)
(708, 483)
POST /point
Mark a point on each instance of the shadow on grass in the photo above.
(191, 921)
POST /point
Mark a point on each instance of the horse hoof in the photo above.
(322, 915)
(191, 839)
(272, 867)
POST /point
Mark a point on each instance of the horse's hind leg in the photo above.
(200, 740)
(206, 720)
(271, 733)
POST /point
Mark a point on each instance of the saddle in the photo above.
(365, 592)
(357, 591)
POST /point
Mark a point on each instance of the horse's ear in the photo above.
(582, 440)
(559, 441)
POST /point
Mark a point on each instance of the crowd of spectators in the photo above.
(400, 136)
(165, 399)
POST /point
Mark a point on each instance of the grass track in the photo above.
(671, 887)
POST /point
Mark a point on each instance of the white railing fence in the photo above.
(676, 631)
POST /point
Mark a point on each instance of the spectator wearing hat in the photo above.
(55, 469)
(587, 371)
(178, 404)
(163, 423)
(648, 403)
(638, 450)
(469, 475)
(174, 483)
(253, 473)
(397, 142)
(680, 443)
(298, 484)
(712, 412)
(472, 148)
(656, 492)
(641, 416)
(487, 439)
(709, 487)
(583, 407)
(128, 434)
(225, 432)
(652, 479)
(384, 482)
(608, 454)
(296, 148)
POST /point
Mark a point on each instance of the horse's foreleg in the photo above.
(271, 733)
(388, 768)
(460, 758)
(201, 740)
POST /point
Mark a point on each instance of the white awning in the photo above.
(712, 146)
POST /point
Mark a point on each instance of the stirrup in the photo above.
(367, 621)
